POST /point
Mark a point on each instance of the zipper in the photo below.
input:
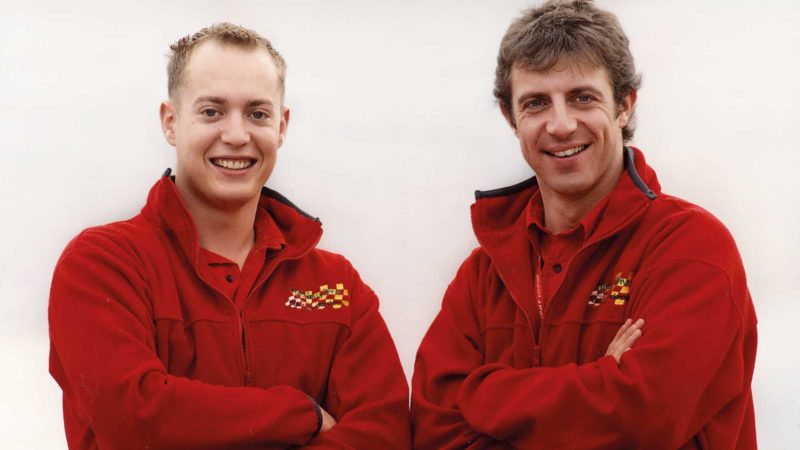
(538, 337)
(243, 343)
(574, 260)
(247, 375)
(240, 314)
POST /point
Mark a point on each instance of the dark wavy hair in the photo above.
(542, 36)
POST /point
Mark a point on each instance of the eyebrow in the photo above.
(589, 89)
(222, 101)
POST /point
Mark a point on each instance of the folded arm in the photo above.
(681, 372)
(103, 354)
(367, 389)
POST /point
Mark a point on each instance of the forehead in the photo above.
(229, 71)
(564, 76)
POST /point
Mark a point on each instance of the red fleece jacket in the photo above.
(483, 380)
(151, 355)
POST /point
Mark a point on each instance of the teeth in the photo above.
(234, 164)
(570, 151)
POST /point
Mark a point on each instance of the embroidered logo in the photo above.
(326, 297)
(618, 291)
(599, 295)
(621, 289)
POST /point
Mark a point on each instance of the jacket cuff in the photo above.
(318, 410)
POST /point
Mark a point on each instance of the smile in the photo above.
(569, 152)
(233, 164)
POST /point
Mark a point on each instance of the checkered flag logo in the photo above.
(599, 295)
(618, 291)
(326, 297)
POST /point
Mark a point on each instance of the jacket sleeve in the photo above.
(695, 358)
(451, 349)
(367, 389)
(104, 358)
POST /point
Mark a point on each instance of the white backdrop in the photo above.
(393, 127)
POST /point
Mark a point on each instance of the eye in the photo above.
(583, 98)
(259, 115)
(210, 112)
(535, 103)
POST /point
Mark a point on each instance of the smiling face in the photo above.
(569, 128)
(226, 123)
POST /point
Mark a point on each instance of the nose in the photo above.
(234, 132)
(561, 122)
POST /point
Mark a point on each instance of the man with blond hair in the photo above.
(211, 320)
(598, 312)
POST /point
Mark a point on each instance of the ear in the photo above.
(284, 126)
(168, 117)
(626, 109)
(509, 116)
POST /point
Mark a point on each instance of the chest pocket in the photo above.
(609, 300)
(606, 309)
(330, 303)
(293, 334)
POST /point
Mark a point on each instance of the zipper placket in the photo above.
(240, 314)
(537, 339)
(243, 347)
(572, 262)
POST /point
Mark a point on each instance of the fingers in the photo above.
(623, 329)
(626, 336)
(327, 421)
(630, 335)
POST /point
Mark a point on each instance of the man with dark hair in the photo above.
(598, 312)
(210, 320)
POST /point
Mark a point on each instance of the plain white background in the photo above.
(393, 127)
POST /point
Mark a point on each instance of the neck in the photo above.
(227, 232)
(561, 215)
(564, 212)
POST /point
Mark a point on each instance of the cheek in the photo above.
(268, 141)
(528, 133)
(601, 124)
(528, 147)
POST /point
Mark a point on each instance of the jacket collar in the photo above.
(280, 225)
(497, 212)
(500, 218)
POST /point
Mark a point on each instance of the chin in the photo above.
(233, 198)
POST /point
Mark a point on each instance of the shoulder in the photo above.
(686, 236)
(102, 263)
(689, 230)
(122, 242)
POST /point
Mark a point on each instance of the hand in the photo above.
(628, 333)
(327, 420)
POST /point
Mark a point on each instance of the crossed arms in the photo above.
(687, 366)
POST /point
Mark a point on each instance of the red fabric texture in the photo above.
(483, 379)
(152, 350)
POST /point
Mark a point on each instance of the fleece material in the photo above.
(153, 352)
(489, 374)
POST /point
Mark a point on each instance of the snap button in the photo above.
(557, 268)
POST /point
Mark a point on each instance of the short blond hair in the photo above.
(225, 33)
